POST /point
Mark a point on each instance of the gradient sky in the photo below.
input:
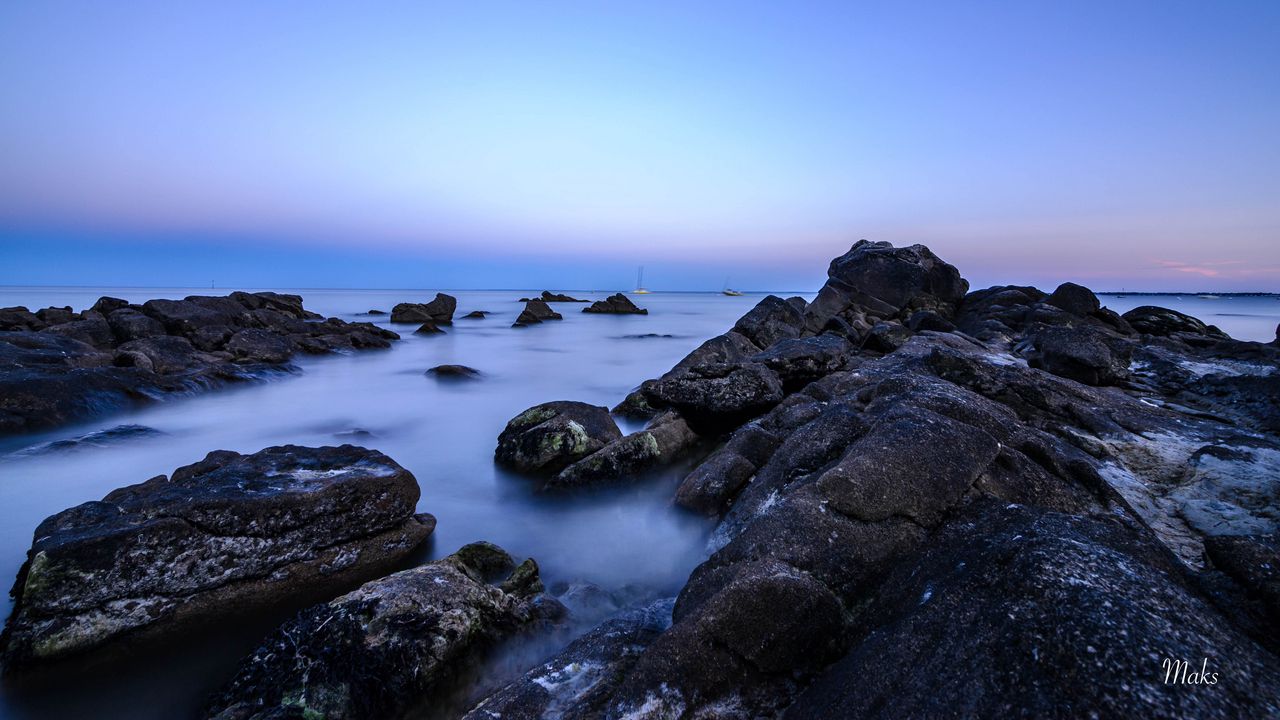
(491, 145)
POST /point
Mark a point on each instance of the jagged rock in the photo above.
(549, 437)
(439, 311)
(428, 328)
(107, 305)
(476, 315)
(166, 354)
(57, 316)
(534, 312)
(799, 361)
(771, 320)
(20, 318)
(665, 439)
(376, 312)
(92, 329)
(550, 297)
(229, 532)
(616, 304)
(885, 337)
(387, 646)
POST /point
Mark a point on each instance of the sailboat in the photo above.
(728, 290)
(640, 283)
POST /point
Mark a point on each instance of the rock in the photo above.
(376, 312)
(615, 304)
(57, 316)
(428, 328)
(107, 305)
(213, 337)
(876, 281)
(771, 320)
(576, 683)
(1082, 354)
(439, 311)
(91, 330)
(166, 354)
(384, 648)
(665, 439)
(1075, 299)
(885, 337)
(547, 438)
(230, 532)
(929, 320)
(1163, 322)
(20, 318)
(716, 397)
(710, 487)
(799, 361)
(130, 324)
(550, 297)
(534, 312)
(1253, 561)
(260, 346)
(460, 372)
(184, 317)
(289, 305)
(476, 315)
(1038, 594)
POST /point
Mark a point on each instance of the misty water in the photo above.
(625, 539)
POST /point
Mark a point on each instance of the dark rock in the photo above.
(550, 297)
(710, 487)
(57, 316)
(547, 438)
(255, 345)
(1042, 597)
(718, 397)
(290, 305)
(616, 304)
(229, 532)
(91, 330)
(1075, 299)
(20, 318)
(771, 320)
(129, 324)
(534, 312)
(929, 320)
(665, 439)
(461, 372)
(211, 337)
(885, 337)
(165, 354)
(428, 328)
(376, 312)
(1163, 322)
(385, 647)
(475, 315)
(1081, 353)
(107, 305)
(439, 311)
(799, 361)
(1253, 561)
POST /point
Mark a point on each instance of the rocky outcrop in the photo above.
(456, 372)
(439, 311)
(225, 534)
(475, 315)
(549, 297)
(547, 438)
(387, 646)
(616, 304)
(664, 440)
(57, 365)
(534, 312)
(1081, 492)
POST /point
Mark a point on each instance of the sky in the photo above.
(1118, 144)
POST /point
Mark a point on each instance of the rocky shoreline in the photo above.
(927, 502)
(57, 365)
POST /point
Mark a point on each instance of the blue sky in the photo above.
(303, 144)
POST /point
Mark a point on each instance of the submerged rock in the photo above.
(547, 438)
(387, 646)
(475, 315)
(438, 311)
(461, 372)
(616, 304)
(550, 297)
(428, 328)
(227, 533)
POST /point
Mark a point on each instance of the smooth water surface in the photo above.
(627, 539)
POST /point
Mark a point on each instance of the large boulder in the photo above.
(771, 320)
(227, 533)
(664, 440)
(547, 438)
(1083, 354)
(439, 311)
(717, 397)
(876, 281)
(379, 650)
(183, 317)
(1075, 299)
(616, 304)
(254, 345)
(1163, 322)
(131, 324)
(163, 354)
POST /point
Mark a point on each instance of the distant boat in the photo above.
(728, 290)
(640, 283)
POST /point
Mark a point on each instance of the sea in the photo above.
(629, 540)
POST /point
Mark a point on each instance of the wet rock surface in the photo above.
(57, 365)
(534, 312)
(222, 535)
(549, 437)
(1086, 494)
(385, 647)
